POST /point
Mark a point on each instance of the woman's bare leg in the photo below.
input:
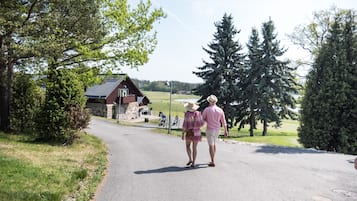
(188, 150)
(194, 152)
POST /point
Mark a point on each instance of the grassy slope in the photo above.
(34, 171)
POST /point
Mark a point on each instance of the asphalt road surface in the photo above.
(146, 166)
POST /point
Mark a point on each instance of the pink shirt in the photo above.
(193, 120)
(214, 116)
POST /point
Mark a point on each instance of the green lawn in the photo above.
(33, 171)
(286, 135)
(161, 102)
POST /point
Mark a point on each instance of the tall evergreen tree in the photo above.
(329, 109)
(276, 85)
(222, 75)
(253, 73)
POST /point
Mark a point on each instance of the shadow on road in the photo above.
(170, 169)
(286, 150)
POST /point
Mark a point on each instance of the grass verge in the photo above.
(34, 171)
(286, 135)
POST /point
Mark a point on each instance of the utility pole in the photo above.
(169, 127)
(119, 97)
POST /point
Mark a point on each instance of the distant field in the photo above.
(286, 135)
(161, 102)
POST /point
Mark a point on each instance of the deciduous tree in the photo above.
(38, 35)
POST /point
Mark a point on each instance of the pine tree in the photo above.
(329, 109)
(276, 85)
(222, 76)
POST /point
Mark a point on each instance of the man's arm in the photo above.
(224, 123)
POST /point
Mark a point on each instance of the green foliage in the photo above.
(73, 34)
(260, 88)
(222, 76)
(177, 87)
(132, 39)
(272, 80)
(313, 35)
(64, 102)
(26, 100)
(254, 66)
(88, 76)
(329, 110)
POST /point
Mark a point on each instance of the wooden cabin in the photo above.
(116, 98)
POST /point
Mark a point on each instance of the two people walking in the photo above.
(191, 128)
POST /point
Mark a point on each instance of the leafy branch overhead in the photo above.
(71, 32)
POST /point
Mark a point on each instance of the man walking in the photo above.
(214, 118)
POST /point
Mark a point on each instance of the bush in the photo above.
(25, 104)
(78, 117)
(62, 114)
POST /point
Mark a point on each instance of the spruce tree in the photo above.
(276, 85)
(329, 109)
(253, 73)
(222, 75)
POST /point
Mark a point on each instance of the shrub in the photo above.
(25, 104)
(62, 114)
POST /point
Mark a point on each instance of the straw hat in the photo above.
(191, 106)
(212, 99)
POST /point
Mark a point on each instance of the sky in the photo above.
(189, 27)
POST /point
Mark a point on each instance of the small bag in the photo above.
(189, 133)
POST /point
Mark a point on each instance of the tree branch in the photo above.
(29, 13)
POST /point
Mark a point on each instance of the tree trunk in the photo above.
(265, 127)
(251, 124)
(6, 78)
(4, 98)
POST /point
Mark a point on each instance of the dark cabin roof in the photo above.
(102, 91)
(110, 86)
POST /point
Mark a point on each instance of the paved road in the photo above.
(145, 166)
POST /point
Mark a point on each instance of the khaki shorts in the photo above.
(212, 136)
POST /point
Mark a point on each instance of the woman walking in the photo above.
(192, 124)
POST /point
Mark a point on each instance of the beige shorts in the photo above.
(212, 136)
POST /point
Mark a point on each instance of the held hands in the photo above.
(225, 134)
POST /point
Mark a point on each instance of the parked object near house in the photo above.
(162, 119)
(116, 98)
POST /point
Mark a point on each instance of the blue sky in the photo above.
(189, 26)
